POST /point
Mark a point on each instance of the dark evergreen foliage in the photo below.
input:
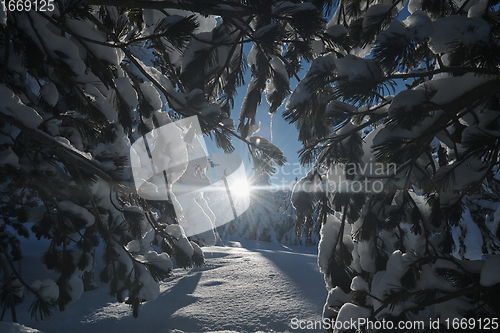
(67, 177)
(343, 110)
(436, 150)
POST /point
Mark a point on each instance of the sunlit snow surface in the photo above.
(244, 286)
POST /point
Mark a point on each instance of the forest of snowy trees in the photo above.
(396, 106)
(271, 218)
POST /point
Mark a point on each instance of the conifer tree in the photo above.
(80, 82)
(400, 124)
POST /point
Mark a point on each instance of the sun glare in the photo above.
(241, 188)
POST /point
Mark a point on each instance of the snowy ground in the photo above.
(244, 286)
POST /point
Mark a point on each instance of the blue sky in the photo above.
(284, 135)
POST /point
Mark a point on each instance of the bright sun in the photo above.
(240, 188)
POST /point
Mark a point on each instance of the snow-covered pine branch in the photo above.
(80, 84)
(412, 178)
